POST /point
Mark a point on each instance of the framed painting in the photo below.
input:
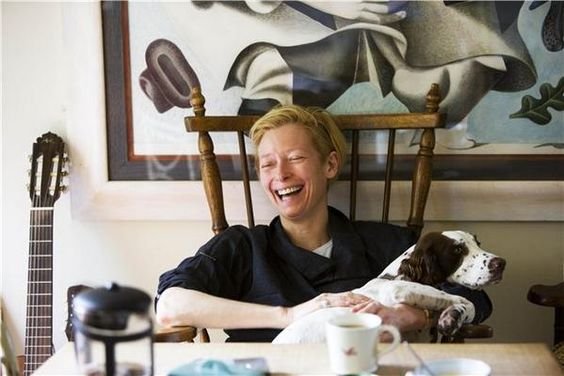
(502, 125)
(131, 161)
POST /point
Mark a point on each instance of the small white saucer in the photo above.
(453, 367)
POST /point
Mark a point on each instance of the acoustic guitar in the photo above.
(45, 186)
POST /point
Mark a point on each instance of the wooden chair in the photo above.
(552, 296)
(425, 122)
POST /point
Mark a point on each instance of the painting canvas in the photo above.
(497, 64)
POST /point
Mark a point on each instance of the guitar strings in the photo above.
(40, 277)
(30, 335)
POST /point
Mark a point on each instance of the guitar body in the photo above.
(45, 187)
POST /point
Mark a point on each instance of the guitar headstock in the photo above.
(47, 170)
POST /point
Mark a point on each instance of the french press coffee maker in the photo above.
(113, 332)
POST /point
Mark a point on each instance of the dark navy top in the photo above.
(261, 265)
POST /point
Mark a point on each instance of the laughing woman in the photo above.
(255, 282)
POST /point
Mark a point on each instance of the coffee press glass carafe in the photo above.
(113, 332)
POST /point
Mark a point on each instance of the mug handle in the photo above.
(395, 342)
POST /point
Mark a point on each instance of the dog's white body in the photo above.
(456, 310)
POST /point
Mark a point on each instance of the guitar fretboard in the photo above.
(38, 336)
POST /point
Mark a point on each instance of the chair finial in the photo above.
(197, 101)
(433, 98)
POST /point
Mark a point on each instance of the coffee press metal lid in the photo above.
(109, 307)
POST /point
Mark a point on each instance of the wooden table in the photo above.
(505, 359)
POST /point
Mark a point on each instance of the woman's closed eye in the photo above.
(266, 165)
(296, 158)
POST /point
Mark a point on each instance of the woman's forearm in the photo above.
(179, 306)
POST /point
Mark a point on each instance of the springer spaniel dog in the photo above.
(450, 256)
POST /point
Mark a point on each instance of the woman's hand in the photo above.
(404, 317)
(325, 300)
(376, 11)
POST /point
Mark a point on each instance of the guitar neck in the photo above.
(39, 325)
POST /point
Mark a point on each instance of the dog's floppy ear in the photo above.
(424, 266)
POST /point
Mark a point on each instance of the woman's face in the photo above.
(292, 173)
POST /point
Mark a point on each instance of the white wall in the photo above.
(35, 100)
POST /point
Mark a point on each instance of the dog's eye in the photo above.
(458, 249)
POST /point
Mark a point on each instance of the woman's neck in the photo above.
(309, 233)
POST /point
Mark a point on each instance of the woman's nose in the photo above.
(282, 171)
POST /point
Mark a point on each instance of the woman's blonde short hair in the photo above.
(325, 133)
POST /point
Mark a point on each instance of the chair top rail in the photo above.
(244, 123)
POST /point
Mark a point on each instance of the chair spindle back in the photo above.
(426, 121)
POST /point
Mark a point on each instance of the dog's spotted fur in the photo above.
(450, 256)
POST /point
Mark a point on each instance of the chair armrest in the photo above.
(551, 296)
(180, 334)
(469, 331)
(476, 331)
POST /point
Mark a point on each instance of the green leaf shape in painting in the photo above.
(537, 109)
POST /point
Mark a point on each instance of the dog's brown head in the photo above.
(453, 256)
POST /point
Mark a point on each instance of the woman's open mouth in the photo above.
(286, 192)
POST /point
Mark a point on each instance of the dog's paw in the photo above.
(450, 321)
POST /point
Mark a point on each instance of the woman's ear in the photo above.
(332, 165)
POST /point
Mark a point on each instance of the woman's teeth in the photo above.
(287, 191)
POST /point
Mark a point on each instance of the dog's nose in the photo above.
(497, 264)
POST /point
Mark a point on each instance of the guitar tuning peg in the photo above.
(65, 157)
(64, 173)
(63, 188)
(30, 157)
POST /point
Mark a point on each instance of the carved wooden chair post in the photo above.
(209, 168)
(423, 170)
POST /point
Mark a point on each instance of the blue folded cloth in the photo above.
(215, 367)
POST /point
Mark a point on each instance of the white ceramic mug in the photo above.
(353, 341)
